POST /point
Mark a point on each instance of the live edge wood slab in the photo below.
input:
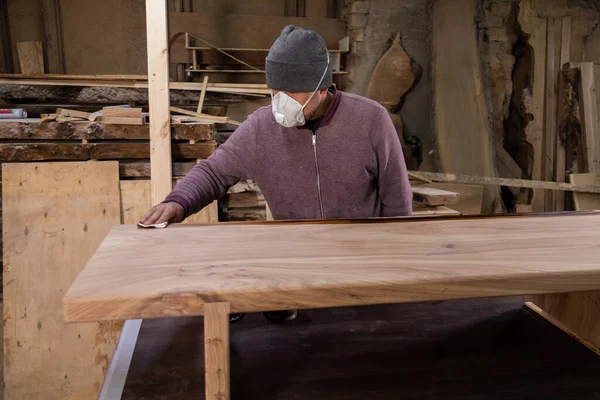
(184, 270)
(139, 273)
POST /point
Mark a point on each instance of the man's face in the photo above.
(302, 97)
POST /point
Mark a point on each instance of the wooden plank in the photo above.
(550, 129)
(524, 183)
(121, 112)
(457, 71)
(34, 130)
(589, 116)
(72, 113)
(561, 156)
(202, 94)
(507, 167)
(17, 152)
(433, 196)
(6, 56)
(243, 199)
(123, 121)
(470, 196)
(586, 201)
(31, 57)
(199, 115)
(439, 211)
(54, 38)
(136, 201)
(216, 350)
(54, 215)
(76, 77)
(158, 95)
(411, 260)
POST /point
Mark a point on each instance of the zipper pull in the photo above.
(314, 139)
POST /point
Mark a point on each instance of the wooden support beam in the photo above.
(550, 136)
(524, 183)
(561, 155)
(216, 350)
(55, 55)
(158, 94)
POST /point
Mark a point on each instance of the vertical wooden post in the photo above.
(6, 58)
(158, 97)
(588, 108)
(561, 153)
(54, 40)
(550, 131)
(202, 94)
(216, 350)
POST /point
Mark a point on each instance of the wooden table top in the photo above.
(150, 273)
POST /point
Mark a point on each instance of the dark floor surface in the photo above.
(461, 349)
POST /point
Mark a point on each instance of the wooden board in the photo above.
(53, 35)
(589, 116)
(586, 201)
(97, 151)
(470, 196)
(433, 196)
(35, 130)
(141, 169)
(457, 90)
(121, 115)
(54, 217)
(216, 351)
(288, 265)
(158, 96)
(136, 201)
(561, 156)
(31, 57)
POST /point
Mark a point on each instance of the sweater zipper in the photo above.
(314, 142)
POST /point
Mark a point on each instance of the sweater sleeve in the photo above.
(211, 178)
(393, 184)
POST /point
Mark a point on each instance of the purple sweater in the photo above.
(353, 167)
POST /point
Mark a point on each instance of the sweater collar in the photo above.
(331, 110)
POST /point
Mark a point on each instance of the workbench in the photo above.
(183, 271)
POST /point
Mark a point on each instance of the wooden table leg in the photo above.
(216, 350)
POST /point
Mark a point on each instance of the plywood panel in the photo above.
(31, 57)
(287, 265)
(54, 217)
(458, 91)
(136, 201)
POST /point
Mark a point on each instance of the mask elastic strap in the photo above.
(319, 84)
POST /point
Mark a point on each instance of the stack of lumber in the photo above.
(81, 140)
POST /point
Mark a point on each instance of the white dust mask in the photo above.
(289, 112)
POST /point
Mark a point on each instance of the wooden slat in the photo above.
(54, 37)
(275, 266)
(31, 57)
(216, 350)
(485, 180)
(457, 71)
(589, 116)
(243, 199)
(94, 131)
(561, 156)
(433, 196)
(550, 129)
(141, 169)
(54, 216)
(16, 152)
(158, 95)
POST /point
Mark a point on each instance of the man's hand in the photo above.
(165, 212)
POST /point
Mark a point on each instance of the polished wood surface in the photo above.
(139, 273)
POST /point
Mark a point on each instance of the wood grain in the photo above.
(174, 271)
(470, 196)
(216, 350)
(97, 151)
(589, 116)
(141, 169)
(158, 96)
(54, 217)
(458, 90)
(586, 201)
(561, 156)
(36, 130)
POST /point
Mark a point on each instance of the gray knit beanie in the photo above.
(297, 60)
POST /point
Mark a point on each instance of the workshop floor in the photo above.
(462, 349)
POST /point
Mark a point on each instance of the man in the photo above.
(316, 152)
